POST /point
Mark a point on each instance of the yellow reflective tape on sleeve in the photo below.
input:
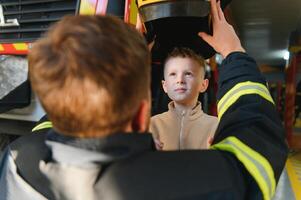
(144, 2)
(20, 46)
(1, 47)
(257, 165)
(239, 90)
(44, 125)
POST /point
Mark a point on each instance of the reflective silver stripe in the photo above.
(255, 163)
(260, 168)
(220, 107)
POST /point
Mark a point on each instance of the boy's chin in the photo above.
(181, 98)
(179, 101)
(184, 101)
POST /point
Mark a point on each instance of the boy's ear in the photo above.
(203, 85)
(164, 86)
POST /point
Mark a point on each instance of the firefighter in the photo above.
(92, 75)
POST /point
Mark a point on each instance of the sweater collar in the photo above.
(192, 114)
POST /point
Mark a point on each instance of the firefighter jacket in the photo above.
(245, 161)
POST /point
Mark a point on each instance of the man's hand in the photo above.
(209, 142)
(224, 39)
(139, 24)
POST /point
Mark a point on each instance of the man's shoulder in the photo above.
(169, 162)
(201, 172)
(28, 142)
(28, 150)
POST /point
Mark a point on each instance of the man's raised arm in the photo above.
(249, 124)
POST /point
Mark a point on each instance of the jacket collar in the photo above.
(192, 114)
(81, 151)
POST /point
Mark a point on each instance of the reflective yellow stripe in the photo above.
(43, 125)
(1, 47)
(20, 46)
(239, 90)
(144, 2)
(257, 165)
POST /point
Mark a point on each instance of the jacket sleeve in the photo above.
(250, 127)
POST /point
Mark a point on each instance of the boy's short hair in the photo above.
(90, 74)
(184, 52)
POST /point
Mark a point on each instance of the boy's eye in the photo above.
(172, 74)
(188, 73)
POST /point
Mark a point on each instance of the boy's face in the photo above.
(183, 80)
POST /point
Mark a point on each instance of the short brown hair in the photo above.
(90, 74)
(184, 52)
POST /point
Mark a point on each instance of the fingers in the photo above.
(214, 10)
(139, 25)
(209, 142)
(150, 45)
(220, 11)
(159, 145)
(207, 38)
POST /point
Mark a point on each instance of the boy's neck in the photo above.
(184, 108)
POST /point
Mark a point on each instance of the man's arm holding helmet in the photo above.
(249, 124)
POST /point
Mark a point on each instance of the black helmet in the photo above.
(175, 23)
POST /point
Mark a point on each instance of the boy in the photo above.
(184, 125)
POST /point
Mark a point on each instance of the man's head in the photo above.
(184, 73)
(92, 76)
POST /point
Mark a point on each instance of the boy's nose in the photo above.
(180, 78)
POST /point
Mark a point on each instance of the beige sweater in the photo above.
(190, 130)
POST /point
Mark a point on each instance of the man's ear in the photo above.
(203, 85)
(164, 86)
(140, 121)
